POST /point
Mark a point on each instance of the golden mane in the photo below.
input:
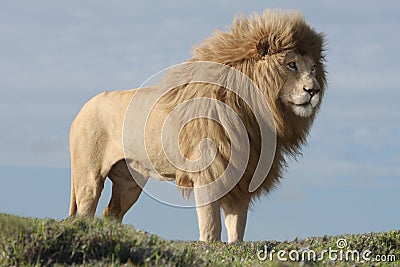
(256, 46)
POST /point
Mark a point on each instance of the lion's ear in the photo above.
(263, 46)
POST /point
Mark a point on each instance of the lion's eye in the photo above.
(292, 66)
(313, 68)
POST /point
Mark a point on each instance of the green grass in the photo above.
(96, 242)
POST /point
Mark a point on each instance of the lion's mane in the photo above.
(256, 46)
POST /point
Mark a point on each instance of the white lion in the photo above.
(278, 51)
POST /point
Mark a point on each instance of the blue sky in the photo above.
(55, 56)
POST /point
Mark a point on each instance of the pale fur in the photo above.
(260, 47)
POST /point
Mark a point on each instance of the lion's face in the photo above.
(301, 91)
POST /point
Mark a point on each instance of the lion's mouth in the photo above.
(303, 109)
(302, 104)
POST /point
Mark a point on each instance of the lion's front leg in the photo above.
(209, 218)
(235, 214)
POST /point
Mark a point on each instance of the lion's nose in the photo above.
(311, 91)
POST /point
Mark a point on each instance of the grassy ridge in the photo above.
(95, 242)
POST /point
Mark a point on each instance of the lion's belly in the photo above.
(142, 142)
(152, 164)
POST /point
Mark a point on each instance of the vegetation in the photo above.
(96, 242)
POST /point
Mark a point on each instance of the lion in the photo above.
(277, 51)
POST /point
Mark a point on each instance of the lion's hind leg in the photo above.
(87, 183)
(125, 191)
(87, 188)
(86, 196)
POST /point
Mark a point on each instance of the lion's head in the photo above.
(283, 55)
(301, 91)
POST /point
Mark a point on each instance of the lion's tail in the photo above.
(72, 207)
